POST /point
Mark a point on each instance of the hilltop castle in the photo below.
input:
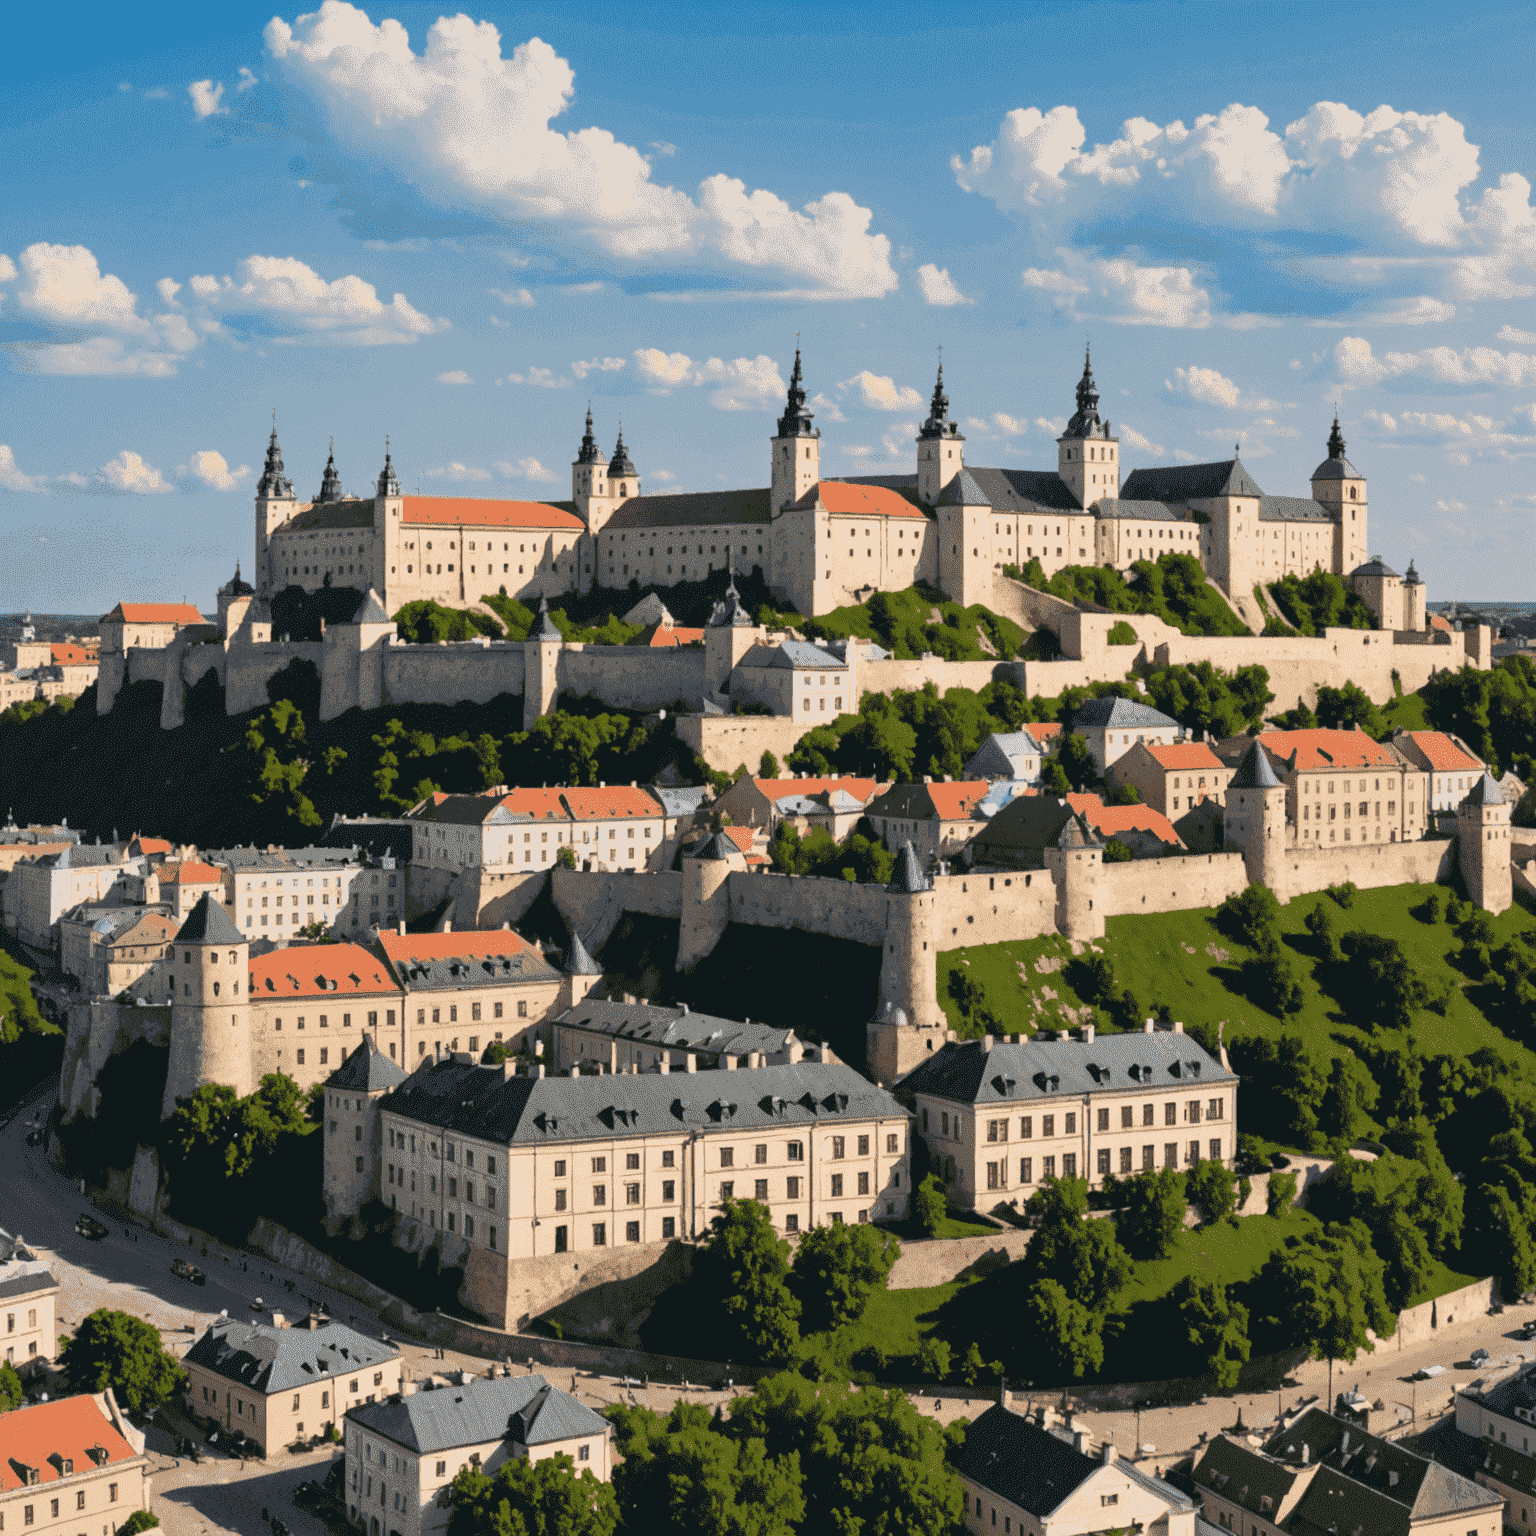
(819, 543)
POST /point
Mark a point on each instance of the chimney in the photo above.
(575, 1069)
(986, 1044)
(401, 929)
(1108, 1454)
(1148, 1027)
(1088, 1034)
(682, 1008)
(690, 1062)
(1178, 1029)
(664, 1066)
(407, 1389)
(278, 1320)
(1306, 1453)
(728, 1062)
(1080, 1441)
(538, 1069)
(447, 925)
(538, 1048)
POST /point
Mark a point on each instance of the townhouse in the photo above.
(758, 803)
(353, 1169)
(278, 1383)
(1171, 777)
(626, 1036)
(1145, 832)
(1006, 755)
(27, 1292)
(1112, 726)
(112, 950)
(183, 881)
(70, 1467)
(38, 893)
(797, 679)
(1002, 1117)
(938, 819)
(275, 893)
(402, 1454)
(614, 826)
(1453, 767)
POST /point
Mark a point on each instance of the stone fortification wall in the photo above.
(473, 672)
(633, 677)
(1369, 865)
(888, 676)
(994, 908)
(727, 742)
(489, 898)
(1171, 885)
(592, 903)
(248, 669)
(96, 1032)
(815, 905)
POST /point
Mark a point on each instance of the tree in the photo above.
(743, 1270)
(1216, 1326)
(933, 1356)
(930, 1205)
(112, 1349)
(1324, 1291)
(1498, 1238)
(1084, 1257)
(1210, 1188)
(1153, 1213)
(1321, 925)
(1280, 1193)
(1283, 1082)
(1053, 778)
(1076, 761)
(531, 1498)
(10, 1387)
(1350, 1095)
(1385, 978)
(1065, 1332)
(1116, 852)
(1252, 917)
(139, 1520)
(768, 768)
(838, 1268)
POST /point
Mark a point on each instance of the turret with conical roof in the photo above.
(940, 447)
(1340, 487)
(388, 481)
(275, 504)
(593, 489)
(541, 667)
(589, 452)
(1483, 845)
(1088, 453)
(210, 1009)
(908, 1021)
(330, 481)
(796, 450)
(581, 972)
(1255, 819)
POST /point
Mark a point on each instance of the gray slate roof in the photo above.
(530, 1111)
(269, 1359)
(478, 1413)
(208, 923)
(717, 847)
(1002, 756)
(85, 855)
(682, 799)
(1190, 482)
(1021, 1462)
(654, 1024)
(371, 610)
(1375, 566)
(1141, 511)
(1026, 826)
(578, 959)
(1293, 509)
(798, 654)
(1485, 792)
(964, 1071)
(543, 626)
(1255, 772)
(331, 514)
(692, 509)
(453, 972)
(1120, 715)
(908, 878)
(366, 1070)
(963, 491)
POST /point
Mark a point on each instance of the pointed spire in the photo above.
(1086, 422)
(1335, 440)
(589, 452)
(330, 481)
(274, 484)
(389, 482)
(908, 878)
(578, 959)
(544, 626)
(728, 612)
(796, 420)
(621, 463)
(938, 423)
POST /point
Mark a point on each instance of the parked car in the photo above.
(1428, 1373)
(1480, 1357)
(1529, 1330)
(88, 1226)
(188, 1271)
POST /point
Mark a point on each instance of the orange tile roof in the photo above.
(1107, 820)
(955, 802)
(776, 789)
(543, 804)
(1043, 730)
(1442, 754)
(1321, 749)
(616, 800)
(191, 872)
(74, 656)
(741, 836)
(1439, 621)
(450, 511)
(865, 501)
(662, 637)
(149, 845)
(1183, 755)
(70, 1428)
(154, 613)
(473, 942)
(307, 970)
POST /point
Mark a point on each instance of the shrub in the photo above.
(1344, 894)
(1121, 634)
(1428, 910)
(1280, 1193)
(933, 1357)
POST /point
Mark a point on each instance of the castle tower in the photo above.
(1088, 453)
(796, 466)
(965, 540)
(582, 973)
(728, 636)
(594, 489)
(1380, 588)
(940, 448)
(1255, 819)
(1340, 487)
(330, 481)
(210, 1009)
(1415, 618)
(541, 667)
(1074, 864)
(352, 1163)
(275, 504)
(388, 508)
(706, 898)
(234, 598)
(908, 1023)
(1482, 832)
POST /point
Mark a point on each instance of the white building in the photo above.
(1113, 726)
(274, 893)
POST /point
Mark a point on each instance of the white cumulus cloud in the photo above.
(1136, 440)
(7, 269)
(545, 378)
(938, 287)
(597, 365)
(879, 393)
(454, 376)
(11, 477)
(129, 474)
(518, 297)
(470, 127)
(206, 97)
(1123, 291)
(454, 470)
(211, 467)
(523, 469)
(740, 384)
(1207, 386)
(1355, 362)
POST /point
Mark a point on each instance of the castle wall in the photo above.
(593, 903)
(1369, 865)
(634, 677)
(887, 676)
(248, 669)
(474, 672)
(994, 908)
(490, 898)
(813, 904)
(727, 742)
(1172, 885)
(96, 1032)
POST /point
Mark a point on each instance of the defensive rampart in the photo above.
(1368, 865)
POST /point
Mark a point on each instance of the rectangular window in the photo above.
(632, 1161)
(837, 1146)
(632, 1232)
(599, 1165)
(864, 1142)
(727, 1157)
(792, 1189)
(631, 1194)
(796, 1151)
(1048, 1125)
(892, 1142)
(837, 1186)
(1215, 1149)
(1048, 1167)
(559, 1167)
(1170, 1114)
(559, 1199)
(1069, 1165)
(1104, 1160)
(760, 1152)
(599, 1234)
(791, 1223)
(1127, 1117)
(599, 1194)
(668, 1190)
(1125, 1159)
(760, 1190)
(1214, 1110)
(1170, 1154)
(864, 1181)
(1026, 1127)
(668, 1227)
(1026, 1170)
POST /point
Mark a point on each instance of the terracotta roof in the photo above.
(70, 1428)
(944, 802)
(154, 613)
(664, 635)
(1183, 755)
(149, 845)
(776, 789)
(1107, 820)
(190, 872)
(1042, 730)
(741, 836)
(472, 942)
(543, 804)
(1322, 749)
(1440, 622)
(615, 800)
(317, 970)
(1442, 754)
(472, 511)
(865, 501)
(74, 656)
(152, 928)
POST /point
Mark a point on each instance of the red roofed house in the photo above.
(78, 665)
(521, 827)
(757, 802)
(615, 826)
(150, 626)
(1171, 777)
(938, 819)
(1146, 832)
(71, 1466)
(1453, 767)
(183, 881)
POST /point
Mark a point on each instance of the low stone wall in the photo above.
(729, 742)
(925, 1264)
(1415, 1324)
(1369, 865)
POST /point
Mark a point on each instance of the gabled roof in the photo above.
(1485, 792)
(1022, 1463)
(1003, 754)
(317, 970)
(1024, 490)
(153, 613)
(1111, 820)
(1254, 772)
(675, 1028)
(1293, 509)
(664, 637)
(190, 872)
(268, 1359)
(1043, 730)
(1238, 1474)
(691, 509)
(209, 923)
(73, 656)
(473, 957)
(1119, 715)
(1181, 755)
(1125, 510)
(1028, 824)
(963, 491)
(371, 610)
(1323, 748)
(849, 499)
(614, 800)
(909, 878)
(366, 1070)
(476, 512)
(1441, 752)
(776, 789)
(578, 959)
(681, 799)
(1375, 566)
(1190, 482)
(796, 655)
(84, 856)
(956, 801)
(483, 1102)
(478, 1413)
(70, 1428)
(717, 848)
(346, 513)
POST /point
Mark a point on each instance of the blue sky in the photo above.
(458, 232)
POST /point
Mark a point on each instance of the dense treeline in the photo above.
(1172, 588)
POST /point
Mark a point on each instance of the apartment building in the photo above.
(183, 881)
(275, 893)
(763, 803)
(112, 950)
(1321, 1473)
(279, 1383)
(38, 893)
(71, 1467)
(497, 1167)
(1453, 767)
(798, 679)
(1145, 831)
(353, 1167)
(1002, 1117)
(1172, 777)
(615, 826)
(637, 1037)
(27, 1292)
(402, 1454)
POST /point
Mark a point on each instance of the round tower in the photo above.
(541, 667)
(796, 465)
(1482, 831)
(940, 448)
(1255, 819)
(908, 1022)
(1075, 861)
(1340, 487)
(275, 504)
(706, 898)
(210, 1006)
(582, 973)
(1087, 453)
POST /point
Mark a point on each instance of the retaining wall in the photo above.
(592, 903)
(814, 904)
(728, 742)
(1368, 865)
